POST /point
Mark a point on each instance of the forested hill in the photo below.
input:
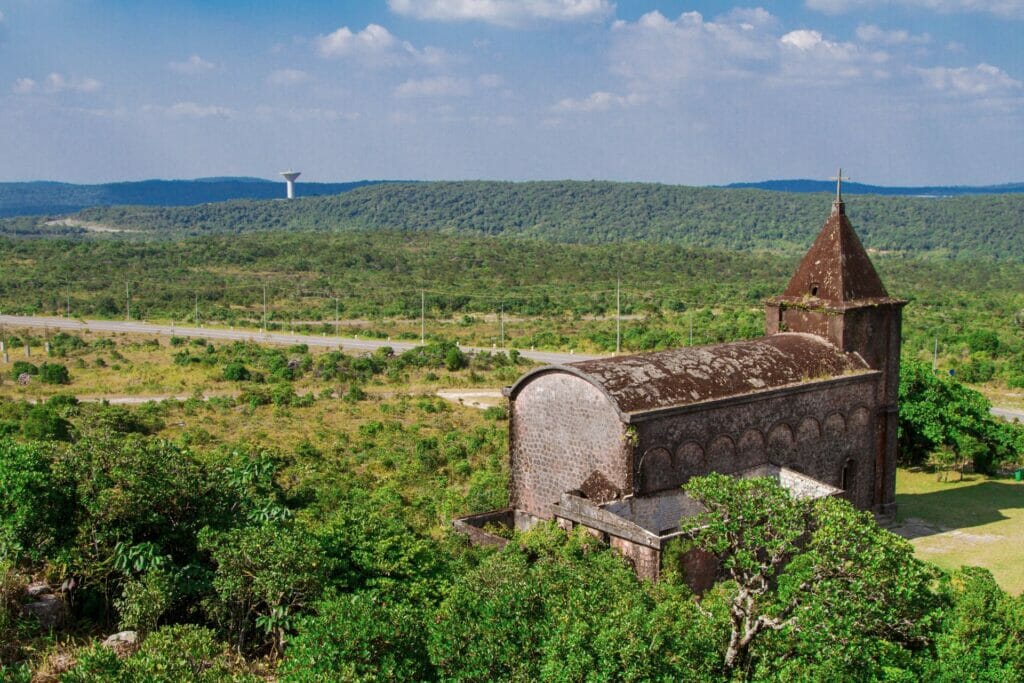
(803, 185)
(602, 212)
(44, 197)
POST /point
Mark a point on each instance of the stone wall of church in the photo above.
(565, 436)
(825, 431)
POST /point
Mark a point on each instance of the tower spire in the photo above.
(838, 207)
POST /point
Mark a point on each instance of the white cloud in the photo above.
(504, 12)
(1011, 9)
(376, 46)
(655, 51)
(804, 40)
(56, 83)
(983, 80)
(808, 57)
(190, 110)
(284, 77)
(869, 33)
(192, 66)
(599, 101)
(441, 86)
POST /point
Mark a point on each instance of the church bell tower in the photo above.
(836, 293)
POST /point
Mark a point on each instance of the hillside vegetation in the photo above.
(44, 197)
(553, 296)
(602, 212)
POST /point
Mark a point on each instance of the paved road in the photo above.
(347, 343)
(1009, 413)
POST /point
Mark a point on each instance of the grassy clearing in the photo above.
(979, 521)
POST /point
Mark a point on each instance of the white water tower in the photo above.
(289, 177)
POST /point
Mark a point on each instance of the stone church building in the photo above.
(607, 443)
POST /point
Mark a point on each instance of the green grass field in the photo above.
(979, 521)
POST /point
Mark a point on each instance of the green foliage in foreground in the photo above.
(335, 564)
(815, 590)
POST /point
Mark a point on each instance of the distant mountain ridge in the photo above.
(51, 197)
(805, 185)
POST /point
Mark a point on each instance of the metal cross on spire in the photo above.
(838, 177)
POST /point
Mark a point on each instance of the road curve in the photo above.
(346, 343)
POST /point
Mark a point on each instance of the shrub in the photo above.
(145, 599)
(54, 373)
(263, 575)
(363, 636)
(236, 372)
(169, 655)
(34, 509)
(496, 413)
(23, 367)
(454, 359)
(355, 393)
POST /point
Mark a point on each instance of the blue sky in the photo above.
(897, 92)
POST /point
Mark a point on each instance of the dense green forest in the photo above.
(334, 560)
(601, 212)
(973, 312)
(42, 197)
(805, 185)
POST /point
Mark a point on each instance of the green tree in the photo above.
(44, 423)
(982, 631)
(813, 584)
(937, 411)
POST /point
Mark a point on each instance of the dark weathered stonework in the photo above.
(565, 436)
(606, 444)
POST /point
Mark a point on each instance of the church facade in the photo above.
(608, 443)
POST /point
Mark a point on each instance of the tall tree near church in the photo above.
(807, 576)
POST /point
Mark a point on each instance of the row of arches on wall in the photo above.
(663, 468)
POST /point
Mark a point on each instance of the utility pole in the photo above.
(337, 322)
(423, 317)
(127, 301)
(264, 309)
(618, 315)
(935, 356)
(691, 327)
(501, 322)
(69, 300)
(197, 309)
